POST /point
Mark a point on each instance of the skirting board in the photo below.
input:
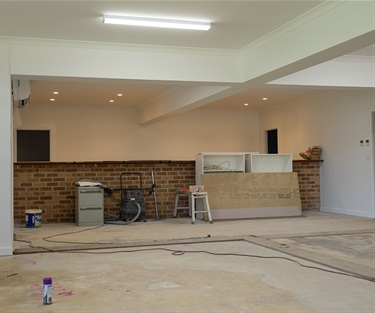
(6, 251)
(252, 195)
(369, 214)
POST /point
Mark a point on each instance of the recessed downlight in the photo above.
(245, 104)
(265, 99)
(119, 95)
(52, 99)
(55, 92)
(111, 100)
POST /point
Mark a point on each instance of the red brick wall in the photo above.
(50, 186)
(309, 183)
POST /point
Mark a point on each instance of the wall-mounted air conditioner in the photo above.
(21, 92)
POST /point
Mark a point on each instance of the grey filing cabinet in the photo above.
(89, 206)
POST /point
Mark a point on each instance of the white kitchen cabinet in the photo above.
(218, 162)
(269, 163)
(241, 162)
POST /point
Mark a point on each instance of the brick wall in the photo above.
(50, 186)
(309, 183)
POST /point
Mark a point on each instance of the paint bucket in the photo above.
(33, 218)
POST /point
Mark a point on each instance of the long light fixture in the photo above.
(155, 22)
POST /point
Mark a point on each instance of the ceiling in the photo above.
(235, 25)
(82, 21)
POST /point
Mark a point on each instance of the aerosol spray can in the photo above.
(47, 290)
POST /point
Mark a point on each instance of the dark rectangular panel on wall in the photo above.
(33, 145)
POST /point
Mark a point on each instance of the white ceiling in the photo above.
(235, 25)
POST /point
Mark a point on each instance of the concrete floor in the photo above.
(227, 266)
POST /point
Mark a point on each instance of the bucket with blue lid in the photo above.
(33, 218)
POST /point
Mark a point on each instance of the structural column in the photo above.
(6, 153)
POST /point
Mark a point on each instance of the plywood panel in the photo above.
(246, 195)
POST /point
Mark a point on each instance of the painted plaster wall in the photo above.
(81, 133)
(337, 122)
(6, 157)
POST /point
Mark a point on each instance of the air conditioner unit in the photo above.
(21, 92)
(22, 103)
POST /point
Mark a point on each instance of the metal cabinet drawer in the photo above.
(89, 206)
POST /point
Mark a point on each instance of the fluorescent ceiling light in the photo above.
(155, 22)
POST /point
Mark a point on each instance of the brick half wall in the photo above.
(50, 186)
(309, 183)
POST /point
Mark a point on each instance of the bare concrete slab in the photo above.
(343, 261)
(174, 266)
(156, 280)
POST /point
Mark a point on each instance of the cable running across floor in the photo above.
(177, 252)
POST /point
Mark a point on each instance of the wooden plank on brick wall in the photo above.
(251, 195)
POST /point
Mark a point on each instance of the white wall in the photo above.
(111, 133)
(6, 157)
(337, 122)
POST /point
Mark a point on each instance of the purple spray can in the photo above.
(47, 290)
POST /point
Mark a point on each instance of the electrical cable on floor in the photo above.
(48, 238)
(183, 252)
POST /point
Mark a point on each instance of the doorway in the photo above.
(272, 143)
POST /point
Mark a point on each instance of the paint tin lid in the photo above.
(47, 281)
(32, 211)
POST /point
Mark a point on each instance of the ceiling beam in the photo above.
(331, 30)
(179, 100)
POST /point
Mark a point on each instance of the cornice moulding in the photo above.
(290, 26)
(356, 58)
(116, 46)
